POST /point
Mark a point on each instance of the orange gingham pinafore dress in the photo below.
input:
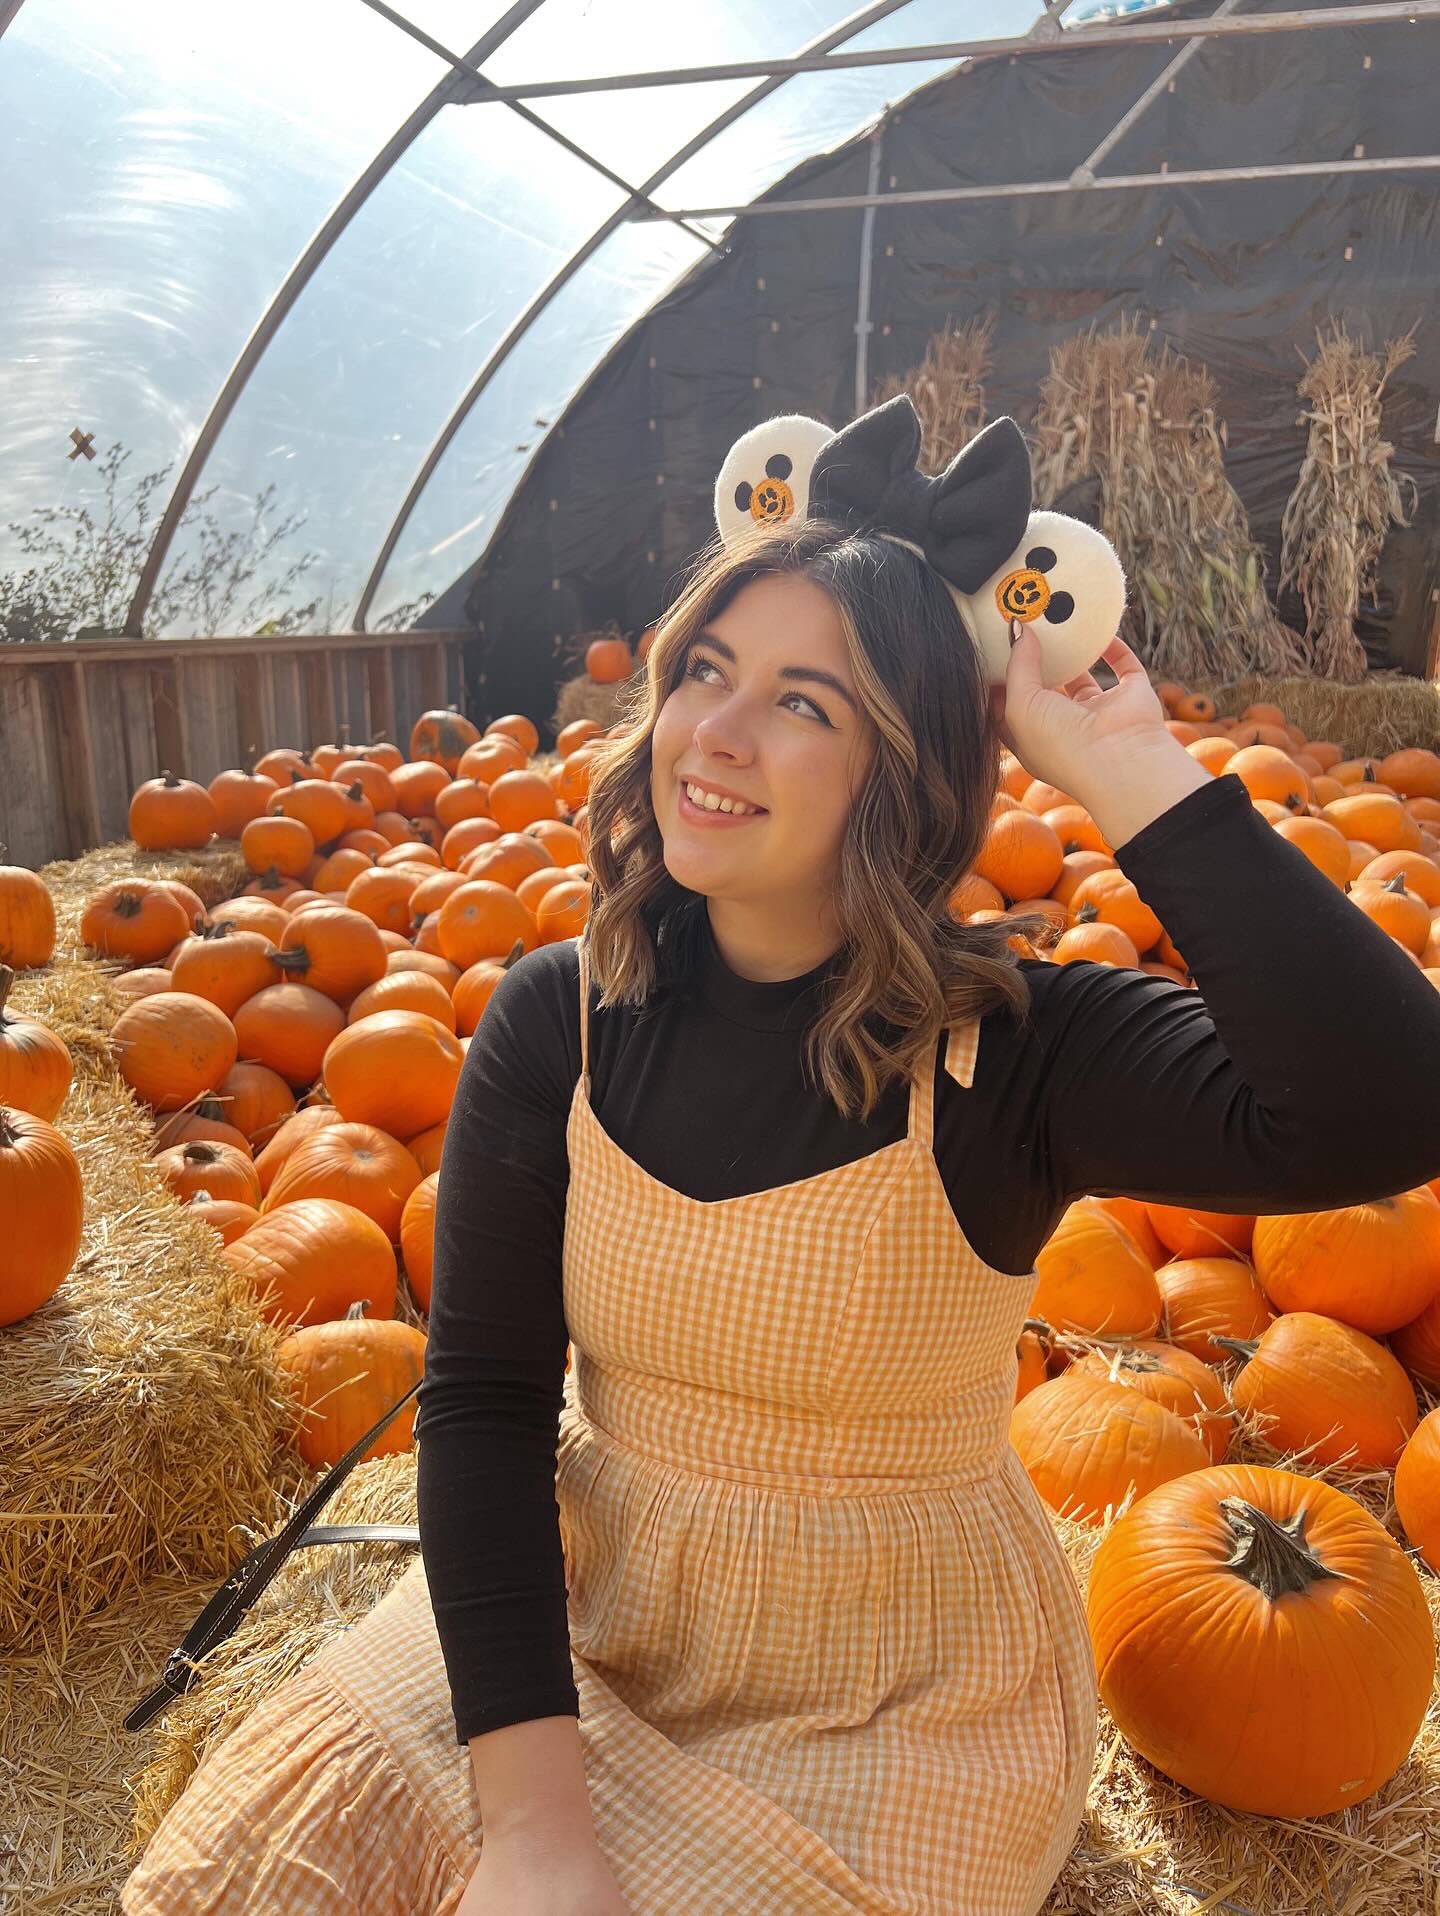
(830, 1655)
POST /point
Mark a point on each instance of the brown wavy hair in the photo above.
(907, 970)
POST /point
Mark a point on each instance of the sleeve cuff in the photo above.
(1188, 815)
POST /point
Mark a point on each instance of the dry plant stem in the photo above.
(948, 388)
(1346, 498)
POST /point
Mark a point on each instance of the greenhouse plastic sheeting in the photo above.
(165, 164)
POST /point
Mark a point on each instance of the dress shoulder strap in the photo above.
(583, 950)
(961, 1043)
(960, 1050)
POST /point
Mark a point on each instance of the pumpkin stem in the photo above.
(271, 880)
(1243, 1347)
(294, 958)
(357, 1310)
(129, 904)
(1396, 884)
(516, 951)
(7, 978)
(1087, 914)
(200, 1153)
(170, 780)
(354, 790)
(8, 1133)
(1272, 1557)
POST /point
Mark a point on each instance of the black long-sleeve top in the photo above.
(1118, 1083)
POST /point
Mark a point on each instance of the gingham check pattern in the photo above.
(830, 1655)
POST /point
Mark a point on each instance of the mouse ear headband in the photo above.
(1001, 562)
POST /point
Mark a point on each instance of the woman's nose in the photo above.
(725, 734)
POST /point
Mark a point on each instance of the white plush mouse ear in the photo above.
(1065, 582)
(765, 479)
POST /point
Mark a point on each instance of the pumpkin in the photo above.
(1380, 819)
(509, 859)
(1021, 855)
(571, 778)
(404, 958)
(1195, 708)
(405, 991)
(346, 1375)
(475, 986)
(277, 844)
(220, 1170)
(172, 814)
(1414, 771)
(140, 983)
(292, 1132)
(1417, 1345)
(1118, 903)
(414, 853)
(43, 1203)
(495, 755)
(572, 736)
(1032, 1356)
(443, 736)
(1374, 1266)
(462, 798)
(1088, 1443)
(130, 918)
(35, 1067)
(1402, 914)
(383, 896)
(256, 1100)
(515, 725)
(484, 920)
(1316, 839)
(518, 799)
(1269, 772)
(238, 797)
(251, 914)
(340, 870)
(1090, 938)
(608, 661)
(225, 966)
(203, 1122)
(1260, 1639)
(333, 949)
(1322, 1387)
(355, 1163)
(373, 780)
(1093, 1279)
(27, 919)
(311, 1260)
(418, 785)
(1210, 1297)
(428, 1146)
(288, 1027)
(1183, 1384)
(1417, 1488)
(417, 1238)
(319, 806)
(226, 1216)
(1421, 874)
(564, 911)
(466, 837)
(397, 1070)
(1188, 1232)
(383, 752)
(284, 765)
(172, 1048)
(1132, 1215)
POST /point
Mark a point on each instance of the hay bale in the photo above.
(1383, 713)
(1346, 498)
(142, 1416)
(583, 698)
(948, 388)
(1145, 427)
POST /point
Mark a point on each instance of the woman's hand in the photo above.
(1072, 732)
(518, 1876)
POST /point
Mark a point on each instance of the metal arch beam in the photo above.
(847, 29)
(1108, 182)
(8, 11)
(1138, 108)
(1138, 33)
(453, 87)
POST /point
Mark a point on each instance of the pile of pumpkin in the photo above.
(1372, 825)
(299, 1044)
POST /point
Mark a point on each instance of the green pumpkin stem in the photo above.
(1272, 1557)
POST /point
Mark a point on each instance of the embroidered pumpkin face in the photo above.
(771, 502)
(1025, 593)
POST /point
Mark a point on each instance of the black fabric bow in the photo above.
(967, 522)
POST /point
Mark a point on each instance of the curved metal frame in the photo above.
(847, 29)
(8, 11)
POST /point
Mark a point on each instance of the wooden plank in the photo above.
(380, 667)
(319, 700)
(289, 703)
(128, 747)
(432, 676)
(34, 830)
(65, 797)
(355, 695)
(252, 733)
(409, 702)
(208, 698)
(86, 787)
(25, 657)
(166, 693)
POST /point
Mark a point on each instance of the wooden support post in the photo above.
(319, 682)
(432, 675)
(86, 790)
(380, 669)
(169, 715)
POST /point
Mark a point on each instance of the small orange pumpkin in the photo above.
(346, 1375)
(35, 1067)
(1318, 1386)
(311, 1260)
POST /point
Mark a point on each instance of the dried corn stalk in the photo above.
(1347, 496)
(1144, 425)
(948, 387)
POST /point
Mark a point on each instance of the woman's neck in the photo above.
(759, 946)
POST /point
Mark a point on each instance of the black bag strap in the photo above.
(258, 1567)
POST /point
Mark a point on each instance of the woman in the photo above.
(775, 1147)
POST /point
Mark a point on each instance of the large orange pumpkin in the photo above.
(228, 1217)
(1188, 1232)
(43, 1204)
(417, 1238)
(1210, 1297)
(484, 920)
(311, 1260)
(1183, 1384)
(443, 737)
(291, 1133)
(130, 918)
(476, 986)
(1087, 1443)
(405, 991)
(397, 1070)
(1321, 1387)
(1417, 1489)
(608, 661)
(256, 1100)
(1259, 1638)
(1417, 1345)
(346, 1375)
(1021, 855)
(320, 807)
(288, 1028)
(1375, 1266)
(35, 1068)
(172, 1048)
(238, 797)
(1093, 1279)
(356, 1163)
(27, 919)
(172, 814)
(332, 948)
(225, 966)
(219, 1170)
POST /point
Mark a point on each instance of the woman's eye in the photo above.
(699, 665)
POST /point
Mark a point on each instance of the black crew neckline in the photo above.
(784, 1004)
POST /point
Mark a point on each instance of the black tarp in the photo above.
(1238, 276)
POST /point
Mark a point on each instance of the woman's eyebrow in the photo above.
(788, 671)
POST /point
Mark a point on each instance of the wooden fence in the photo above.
(82, 724)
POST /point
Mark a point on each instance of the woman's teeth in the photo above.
(712, 802)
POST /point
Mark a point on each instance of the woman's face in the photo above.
(767, 713)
